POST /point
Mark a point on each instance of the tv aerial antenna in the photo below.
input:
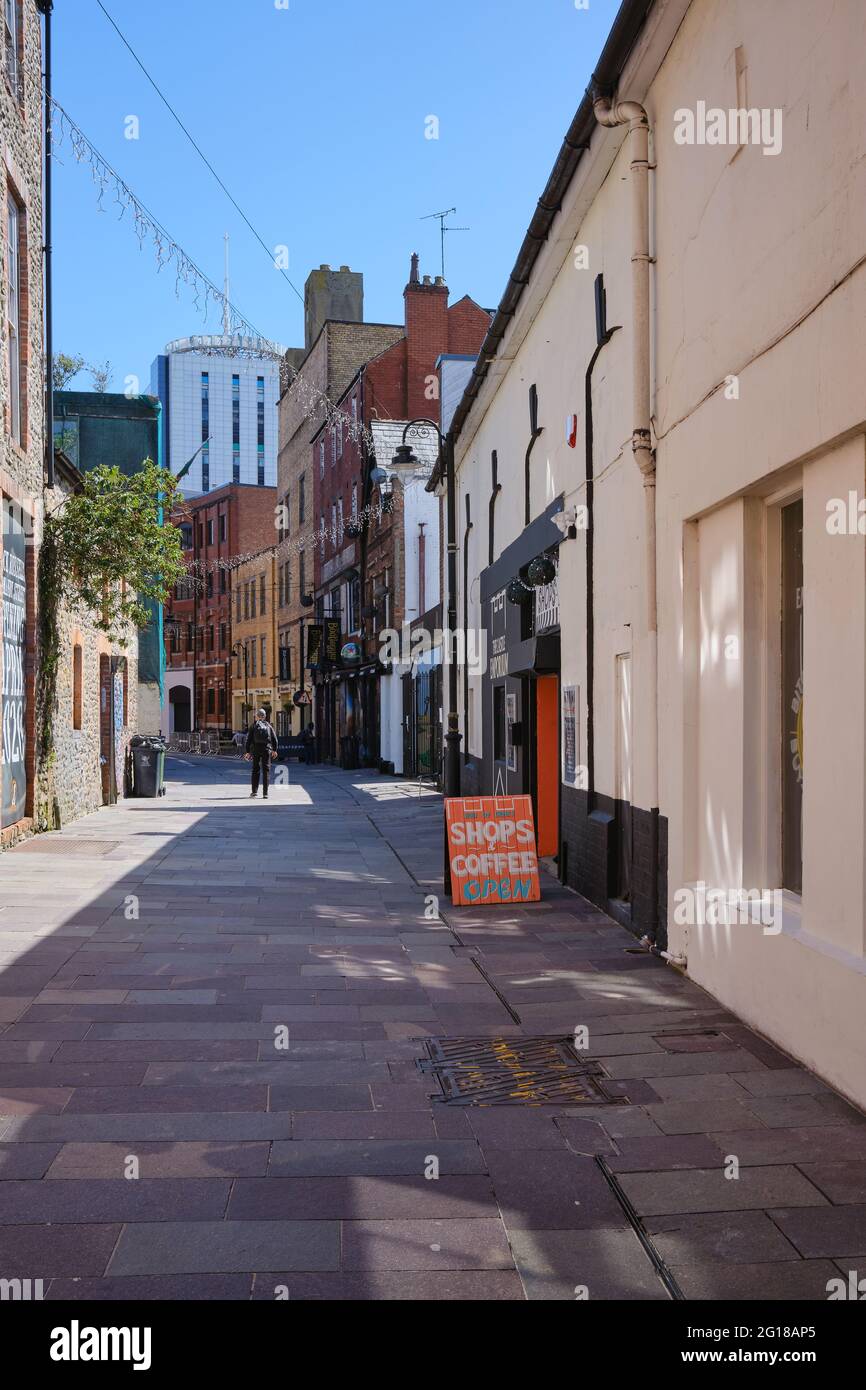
(442, 216)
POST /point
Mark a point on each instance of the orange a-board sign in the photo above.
(491, 850)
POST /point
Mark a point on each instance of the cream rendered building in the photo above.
(709, 653)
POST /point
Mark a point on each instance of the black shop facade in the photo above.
(520, 678)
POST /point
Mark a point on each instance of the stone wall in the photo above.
(21, 458)
(71, 783)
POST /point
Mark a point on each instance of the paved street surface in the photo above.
(159, 1139)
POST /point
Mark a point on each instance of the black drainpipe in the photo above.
(45, 7)
(534, 432)
(603, 335)
(469, 525)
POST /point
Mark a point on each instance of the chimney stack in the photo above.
(426, 310)
(331, 294)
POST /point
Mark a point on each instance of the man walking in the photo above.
(261, 745)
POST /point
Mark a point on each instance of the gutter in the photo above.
(626, 27)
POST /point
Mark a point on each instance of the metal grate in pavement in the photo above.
(66, 844)
(514, 1071)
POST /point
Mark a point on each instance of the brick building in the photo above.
(337, 343)
(218, 528)
(22, 406)
(254, 638)
(360, 571)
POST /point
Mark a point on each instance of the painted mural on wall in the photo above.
(117, 731)
(14, 638)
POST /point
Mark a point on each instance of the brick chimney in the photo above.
(426, 319)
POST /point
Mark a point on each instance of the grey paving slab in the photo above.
(782, 1081)
(50, 1251)
(513, 1127)
(26, 1160)
(465, 1197)
(206, 1288)
(737, 1236)
(321, 1157)
(809, 1144)
(780, 1111)
(820, 1231)
(841, 1183)
(555, 1191)
(227, 1128)
(277, 1069)
(666, 1153)
(376, 1285)
(565, 1266)
(219, 1158)
(92, 1200)
(430, 1244)
(702, 1117)
(374, 1124)
(709, 1189)
(803, 1281)
(682, 1064)
(216, 1247)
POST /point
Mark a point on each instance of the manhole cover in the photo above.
(66, 844)
(513, 1071)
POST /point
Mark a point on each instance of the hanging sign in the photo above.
(491, 850)
(333, 641)
(314, 644)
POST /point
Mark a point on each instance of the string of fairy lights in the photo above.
(207, 296)
(198, 570)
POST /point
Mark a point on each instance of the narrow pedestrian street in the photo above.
(212, 1013)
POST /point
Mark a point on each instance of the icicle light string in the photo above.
(206, 295)
(199, 569)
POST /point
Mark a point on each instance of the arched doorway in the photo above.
(178, 697)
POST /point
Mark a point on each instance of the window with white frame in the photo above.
(13, 315)
(11, 29)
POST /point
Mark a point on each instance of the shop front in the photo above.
(520, 686)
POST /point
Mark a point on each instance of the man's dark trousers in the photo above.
(261, 763)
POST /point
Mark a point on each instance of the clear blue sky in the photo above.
(314, 117)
